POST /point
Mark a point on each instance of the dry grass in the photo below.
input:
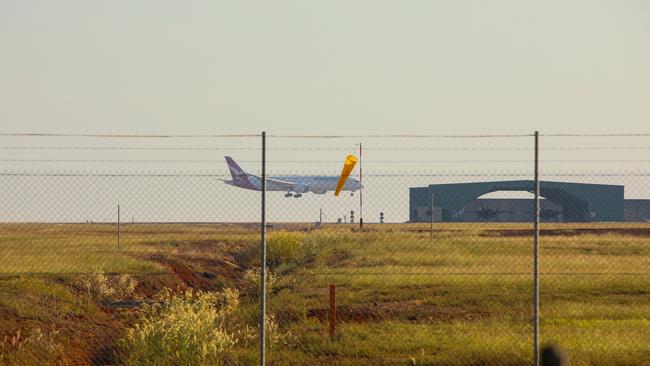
(462, 298)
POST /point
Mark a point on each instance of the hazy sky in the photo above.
(322, 67)
(306, 67)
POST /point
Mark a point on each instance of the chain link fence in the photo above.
(440, 272)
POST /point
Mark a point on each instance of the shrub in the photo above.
(107, 287)
(252, 278)
(275, 336)
(181, 329)
(327, 237)
(284, 247)
(123, 285)
(248, 335)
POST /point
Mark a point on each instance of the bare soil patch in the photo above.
(641, 232)
(410, 311)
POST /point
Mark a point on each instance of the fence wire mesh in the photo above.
(440, 272)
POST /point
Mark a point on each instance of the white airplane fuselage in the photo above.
(292, 185)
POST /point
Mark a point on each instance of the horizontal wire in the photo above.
(478, 273)
(112, 175)
(594, 174)
(597, 161)
(198, 175)
(271, 174)
(43, 134)
(119, 161)
(322, 161)
(10, 274)
(530, 148)
(602, 148)
(641, 134)
(400, 136)
(228, 176)
(125, 135)
(389, 148)
(123, 148)
(396, 175)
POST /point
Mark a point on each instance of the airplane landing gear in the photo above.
(297, 195)
(351, 194)
(288, 194)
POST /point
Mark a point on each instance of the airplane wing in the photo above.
(279, 185)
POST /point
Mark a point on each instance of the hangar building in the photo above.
(562, 201)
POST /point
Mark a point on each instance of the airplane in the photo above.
(487, 214)
(294, 186)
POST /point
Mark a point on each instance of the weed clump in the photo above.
(285, 247)
(19, 349)
(327, 237)
(103, 287)
(252, 278)
(275, 335)
(190, 328)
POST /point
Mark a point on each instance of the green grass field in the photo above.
(463, 297)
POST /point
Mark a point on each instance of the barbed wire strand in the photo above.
(100, 135)
(401, 174)
(132, 135)
(44, 134)
(401, 136)
(307, 148)
(323, 161)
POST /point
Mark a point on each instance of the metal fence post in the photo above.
(118, 227)
(431, 229)
(332, 312)
(263, 258)
(360, 189)
(536, 256)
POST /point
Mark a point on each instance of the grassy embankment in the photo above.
(462, 298)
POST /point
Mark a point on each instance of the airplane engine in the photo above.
(301, 188)
(318, 187)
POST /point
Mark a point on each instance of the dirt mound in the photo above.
(208, 274)
(411, 311)
(638, 231)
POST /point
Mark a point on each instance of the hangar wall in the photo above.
(579, 202)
